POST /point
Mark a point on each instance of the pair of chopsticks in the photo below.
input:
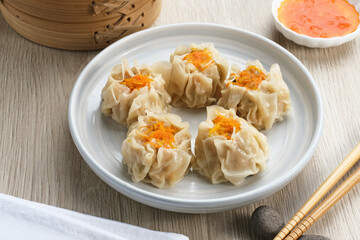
(294, 228)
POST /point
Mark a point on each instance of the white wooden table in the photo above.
(39, 161)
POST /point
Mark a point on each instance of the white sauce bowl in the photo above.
(313, 42)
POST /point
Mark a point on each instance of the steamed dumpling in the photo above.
(198, 75)
(157, 149)
(228, 148)
(261, 97)
(130, 91)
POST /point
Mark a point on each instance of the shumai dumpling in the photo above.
(261, 97)
(198, 75)
(130, 91)
(228, 148)
(157, 149)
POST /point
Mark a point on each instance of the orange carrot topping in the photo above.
(158, 134)
(137, 82)
(249, 78)
(201, 59)
(224, 126)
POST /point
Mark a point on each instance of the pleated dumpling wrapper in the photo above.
(129, 92)
(260, 97)
(198, 75)
(228, 148)
(157, 149)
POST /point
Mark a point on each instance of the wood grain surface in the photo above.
(39, 161)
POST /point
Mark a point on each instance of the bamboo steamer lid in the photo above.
(78, 24)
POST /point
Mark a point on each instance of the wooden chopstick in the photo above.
(325, 187)
(305, 224)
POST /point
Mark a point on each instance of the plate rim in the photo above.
(195, 205)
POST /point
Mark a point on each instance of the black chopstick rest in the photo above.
(266, 222)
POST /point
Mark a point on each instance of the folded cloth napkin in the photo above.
(22, 219)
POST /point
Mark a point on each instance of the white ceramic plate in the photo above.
(313, 42)
(292, 142)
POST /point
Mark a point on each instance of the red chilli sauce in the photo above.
(319, 18)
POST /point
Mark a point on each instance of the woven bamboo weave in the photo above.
(78, 24)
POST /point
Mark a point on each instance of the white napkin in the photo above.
(22, 219)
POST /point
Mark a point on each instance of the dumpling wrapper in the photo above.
(162, 167)
(194, 88)
(164, 68)
(125, 106)
(222, 160)
(261, 108)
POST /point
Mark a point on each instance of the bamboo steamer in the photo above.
(78, 24)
